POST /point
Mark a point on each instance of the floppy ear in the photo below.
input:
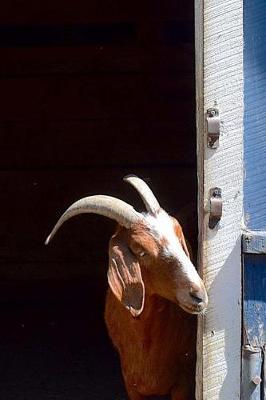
(124, 277)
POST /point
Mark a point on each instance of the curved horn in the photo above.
(107, 206)
(145, 192)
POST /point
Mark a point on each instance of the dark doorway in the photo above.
(91, 91)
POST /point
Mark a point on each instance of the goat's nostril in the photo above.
(196, 297)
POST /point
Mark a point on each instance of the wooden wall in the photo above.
(90, 91)
(219, 60)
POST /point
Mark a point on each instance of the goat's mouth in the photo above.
(193, 308)
(193, 301)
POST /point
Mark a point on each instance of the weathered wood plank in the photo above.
(33, 201)
(83, 11)
(86, 143)
(54, 282)
(57, 273)
(169, 33)
(83, 60)
(200, 127)
(96, 97)
(42, 35)
(254, 297)
(221, 73)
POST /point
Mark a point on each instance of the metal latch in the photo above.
(216, 207)
(213, 127)
(252, 372)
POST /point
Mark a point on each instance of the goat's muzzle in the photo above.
(194, 300)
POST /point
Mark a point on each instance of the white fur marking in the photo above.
(162, 227)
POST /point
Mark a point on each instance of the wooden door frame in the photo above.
(219, 80)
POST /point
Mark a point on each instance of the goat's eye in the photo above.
(142, 254)
(138, 250)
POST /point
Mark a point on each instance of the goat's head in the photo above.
(147, 248)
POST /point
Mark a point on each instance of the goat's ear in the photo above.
(124, 277)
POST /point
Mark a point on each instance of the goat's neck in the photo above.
(155, 304)
(161, 321)
(156, 313)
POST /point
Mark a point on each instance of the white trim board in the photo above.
(219, 78)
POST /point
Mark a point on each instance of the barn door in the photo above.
(219, 81)
(254, 239)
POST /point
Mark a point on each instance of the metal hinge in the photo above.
(215, 207)
(213, 127)
(252, 373)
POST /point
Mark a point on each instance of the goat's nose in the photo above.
(197, 296)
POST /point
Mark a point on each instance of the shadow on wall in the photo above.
(225, 334)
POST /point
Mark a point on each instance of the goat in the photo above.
(150, 274)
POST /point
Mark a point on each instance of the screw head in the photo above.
(256, 380)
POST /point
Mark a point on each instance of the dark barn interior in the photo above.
(91, 91)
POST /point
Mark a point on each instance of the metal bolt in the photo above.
(256, 380)
(211, 112)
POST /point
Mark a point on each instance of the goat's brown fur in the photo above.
(157, 348)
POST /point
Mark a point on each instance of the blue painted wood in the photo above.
(254, 293)
(255, 113)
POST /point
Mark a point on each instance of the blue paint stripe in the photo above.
(255, 113)
(254, 293)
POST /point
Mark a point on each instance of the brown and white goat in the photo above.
(150, 274)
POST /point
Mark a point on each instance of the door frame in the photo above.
(219, 83)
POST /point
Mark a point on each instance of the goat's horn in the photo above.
(107, 206)
(145, 193)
